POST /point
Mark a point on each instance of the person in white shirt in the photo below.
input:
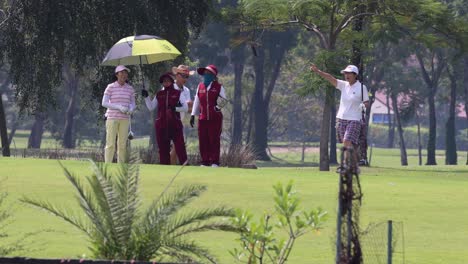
(352, 103)
(209, 99)
(119, 99)
(181, 73)
(170, 103)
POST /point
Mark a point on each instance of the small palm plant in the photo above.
(118, 228)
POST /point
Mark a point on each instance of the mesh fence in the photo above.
(375, 243)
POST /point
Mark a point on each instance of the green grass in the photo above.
(429, 200)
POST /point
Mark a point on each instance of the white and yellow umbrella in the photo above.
(139, 50)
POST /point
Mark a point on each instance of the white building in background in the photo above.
(379, 110)
(380, 107)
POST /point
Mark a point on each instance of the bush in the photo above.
(110, 213)
(259, 242)
(378, 135)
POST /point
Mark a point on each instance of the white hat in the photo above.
(182, 69)
(351, 68)
(121, 68)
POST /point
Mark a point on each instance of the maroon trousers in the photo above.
(209, 138)
(164, 134)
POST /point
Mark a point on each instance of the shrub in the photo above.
(258, 241)
(112, 217)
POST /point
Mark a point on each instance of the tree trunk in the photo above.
(403, 155)
(450, 132)
(333, 157)
(391, 126)
(14, 126)
(238, 57)
(418, 122)
(37, 130)
(465, 86)
(437, 66)
(3, 130)
(431, 143)
(324, 163)
(260, 111)
(68, 138)
(303, 150)
(249, 131)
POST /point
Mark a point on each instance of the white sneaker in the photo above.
(214, 165)
(203, 165)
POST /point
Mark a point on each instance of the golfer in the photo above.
(209, 99)
(349, 113)
(119, 99)
(170, 103)
(181, 73)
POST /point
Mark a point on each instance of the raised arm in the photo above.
(151, 104)
(324, 75)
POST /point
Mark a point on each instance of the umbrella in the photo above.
(138, 50)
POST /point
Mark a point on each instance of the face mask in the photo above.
(208, 78)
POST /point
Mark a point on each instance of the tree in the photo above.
(431, 78)
(52, 34)
(267, 65)
(326, 21)
(450, 135)
(117, 226)
(3, 123)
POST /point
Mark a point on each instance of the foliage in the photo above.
(378, 135)
(53, 33)
(118, 228)
(260, 243)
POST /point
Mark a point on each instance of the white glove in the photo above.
(363, 107)
(123, 109)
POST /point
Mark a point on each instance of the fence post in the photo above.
(389, 242)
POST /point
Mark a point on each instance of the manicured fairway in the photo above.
(430, 201)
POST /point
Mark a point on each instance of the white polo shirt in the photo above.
(350, 100)
(184, 96)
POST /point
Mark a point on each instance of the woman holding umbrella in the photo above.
(208, 102)
(169, 102)
(119, 99)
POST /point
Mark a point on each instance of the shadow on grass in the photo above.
(283, 163)
(424, 169)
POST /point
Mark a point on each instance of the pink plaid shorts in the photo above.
(348, 130)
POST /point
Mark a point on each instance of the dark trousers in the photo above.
(209, 138)
(363, 138)
(164, 135)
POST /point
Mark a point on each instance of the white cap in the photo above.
(351, 68)
(121, 68)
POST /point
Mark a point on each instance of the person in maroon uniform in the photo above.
(170, 103)
(209, 99)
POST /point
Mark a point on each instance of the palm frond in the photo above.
(186, 250)
(126, 186)
(87, 204)
(199, 221)
(106, 200)
(169, 204)
(65, 215)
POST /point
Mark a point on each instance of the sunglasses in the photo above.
(185, 76)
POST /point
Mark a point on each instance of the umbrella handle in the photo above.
(142, 74)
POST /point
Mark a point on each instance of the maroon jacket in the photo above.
(167, 100)
(208, 101)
